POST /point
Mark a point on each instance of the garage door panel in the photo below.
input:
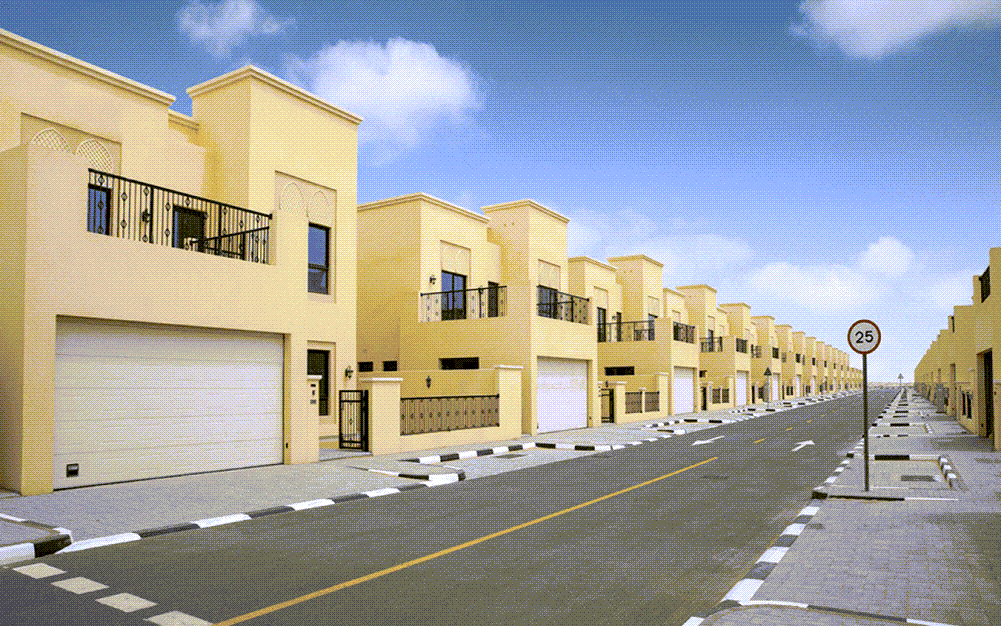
(740, 389)
(141, 400)
(102, 467)
(130, 372)
(110, 339)
(139, 434)
(684, 391)
(561, 394)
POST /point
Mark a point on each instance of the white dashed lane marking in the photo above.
(79, 585)
(126, 602)
(39, 570)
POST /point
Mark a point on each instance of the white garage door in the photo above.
(740, 389)
(799, 385)
(684, 390)
(813, 386)
(143, 400)
(562, 394)
(775, 389)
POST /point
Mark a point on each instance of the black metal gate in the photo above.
(608, 406)
(354, 419)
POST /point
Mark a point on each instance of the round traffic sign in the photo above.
(863, 336)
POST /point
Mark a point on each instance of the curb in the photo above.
(58, 539)
(745, 589)
(242, 517)
(694, 621)
(439, 478)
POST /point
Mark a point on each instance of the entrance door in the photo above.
(354, 419)
(989, 391)
(607, 406)
(705, 398)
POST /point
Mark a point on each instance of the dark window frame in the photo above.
(177, 215)
(323, 388)
(324, 267)
(390, 366)
(92, 225)
(459, 363)
(366, 366)
(620, 371)
(453, 301)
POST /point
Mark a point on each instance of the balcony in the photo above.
(131, 209)
(711, 344)
(684, 332)
(626, 331)
(755, 352)
(464, 304)
(557, 305)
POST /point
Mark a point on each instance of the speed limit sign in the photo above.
(863, 336)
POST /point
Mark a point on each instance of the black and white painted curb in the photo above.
(827, 609)
(943, 463)
(57, 539)
(242, 517)
(743, 591)
(460, 474)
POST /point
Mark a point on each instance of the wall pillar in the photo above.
(509, 404)
(383, 414)
(619, 398)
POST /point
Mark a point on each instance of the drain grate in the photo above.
(918, 478)
(508, 456)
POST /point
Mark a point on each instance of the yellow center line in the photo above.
(809, 421)
(790, 428)
(389, 570)
(760, 440)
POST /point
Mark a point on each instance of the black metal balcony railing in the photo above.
(684, 332)
(712, 344)
(985, 284)
(443, 414)
(755, 352)
(740, 345)
(464, 304)
(626, 331)
(131, 209)
(557, 305)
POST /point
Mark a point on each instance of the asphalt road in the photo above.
(654, 534)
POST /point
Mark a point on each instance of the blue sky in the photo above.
(822, 161)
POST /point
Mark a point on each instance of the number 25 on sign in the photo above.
(864, 336)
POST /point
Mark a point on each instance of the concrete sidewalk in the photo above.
(913, 549)
(32, 526)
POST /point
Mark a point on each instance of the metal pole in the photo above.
(865, 417)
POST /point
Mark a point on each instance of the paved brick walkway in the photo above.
(904, 561)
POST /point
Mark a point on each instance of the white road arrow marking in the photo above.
(699, 443)
(802, 444)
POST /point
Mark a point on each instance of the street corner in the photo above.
(22, 540)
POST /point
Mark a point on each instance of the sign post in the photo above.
(864, 337)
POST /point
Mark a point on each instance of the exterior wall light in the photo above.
(427, 381)
(432, 279)
(348, 372)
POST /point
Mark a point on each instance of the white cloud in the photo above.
(888, 257)
(403, 89)
(223, 26)
(874, 29)
(825, 289)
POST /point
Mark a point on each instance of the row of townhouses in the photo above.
(193, 293)
(957, 370)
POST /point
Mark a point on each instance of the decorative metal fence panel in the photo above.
(130, 209)
(447, 413)
(353, 423)
(464, 304)
(684, 332)
(562, 306)
(634, 402)
(651, 401)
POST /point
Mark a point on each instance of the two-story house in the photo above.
(445, 288)
(766, 363)
(790, 349)
(169, 280)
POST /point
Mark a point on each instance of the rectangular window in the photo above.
(775, 353)
(548, 302)
(798, 357)
(814, 359)
(453, 297)
(99, 210)
(601, 320)
(319, 258)
(389, 366)
(365, 366)
(618, 326)
(620, 371)
(461, 363)
(318, 364)
(188, 228)
(651, 322)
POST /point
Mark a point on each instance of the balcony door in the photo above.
(188, 224)
(453, 297)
